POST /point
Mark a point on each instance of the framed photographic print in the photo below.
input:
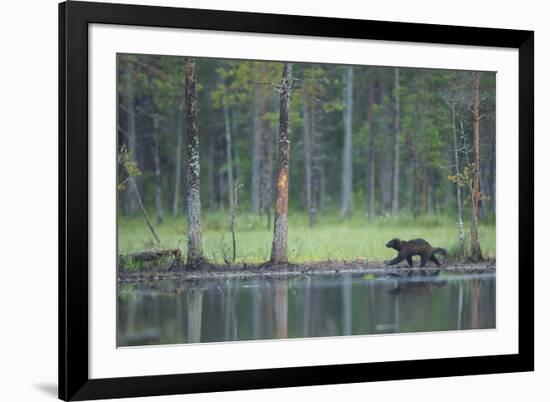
(256, 200)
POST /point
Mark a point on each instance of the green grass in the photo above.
(331, 239)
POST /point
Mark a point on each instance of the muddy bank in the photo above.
(375, 268)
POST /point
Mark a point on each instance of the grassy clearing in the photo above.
(331, 239)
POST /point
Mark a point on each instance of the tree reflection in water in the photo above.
(229, 309)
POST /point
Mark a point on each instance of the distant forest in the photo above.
(382, 140)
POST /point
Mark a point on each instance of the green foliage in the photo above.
(129, 166)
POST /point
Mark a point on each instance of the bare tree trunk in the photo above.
(371, 148)
(426, 180)
(130, 204)
(279, 251)
(256, 149)
(415, 180)
(459, 220)
(314, 163)
(233, 216)
(322, 187)
(475, 247)
(194, 227)
(143, 211)
(156, 162)
(347, 167)
(308, 160)
(228, 155)
(177, 179)
(212, 170)
(395, 167)
(267, 174)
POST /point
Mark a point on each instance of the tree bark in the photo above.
(177, 178)
(212, 187)
(256, 149)
(266, 167)
(308, 159)
(415, 179)
(228, 155)
(396, 128)
(426, 181)
(130, 202)
(475, 247)
(459, 220)
(347, 167)
(194, 227)
(371, 147)
(156, 161)
(279, 250)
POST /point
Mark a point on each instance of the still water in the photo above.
(247, 308)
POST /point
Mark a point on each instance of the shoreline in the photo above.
(375, 268)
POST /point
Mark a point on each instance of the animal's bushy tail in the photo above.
(441, 250)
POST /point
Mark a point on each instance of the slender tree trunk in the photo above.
(228, 155)
(371, 147)
(426, 182)
(156, 161)
(130, 204)
(459, 220)
(314, 163)
(308, 160)
(221, 182)
(177, 179)
(322, 187)
(194, 227)
(212, 170)
(143, 211)
(396, 128)
(267, 174)
(279, 251)
(256, 150)
(347, 167)
(475, 247)
(415, 179)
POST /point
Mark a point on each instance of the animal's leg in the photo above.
(423, 260)
(410, 261)
(434, 259)
(396, 260)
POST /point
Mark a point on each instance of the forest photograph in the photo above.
(263, 200)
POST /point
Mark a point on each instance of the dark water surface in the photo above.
(229, 309)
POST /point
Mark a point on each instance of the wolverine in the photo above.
(407, 249)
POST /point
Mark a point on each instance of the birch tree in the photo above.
(396, 128)
(371, 146)
(347, 168)
(194, 227)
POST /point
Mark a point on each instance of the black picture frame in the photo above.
(74, 381)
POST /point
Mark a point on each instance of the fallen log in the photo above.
(151, 259)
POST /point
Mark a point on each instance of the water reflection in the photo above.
(214, 310)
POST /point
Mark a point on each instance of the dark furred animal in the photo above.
(407, 249)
